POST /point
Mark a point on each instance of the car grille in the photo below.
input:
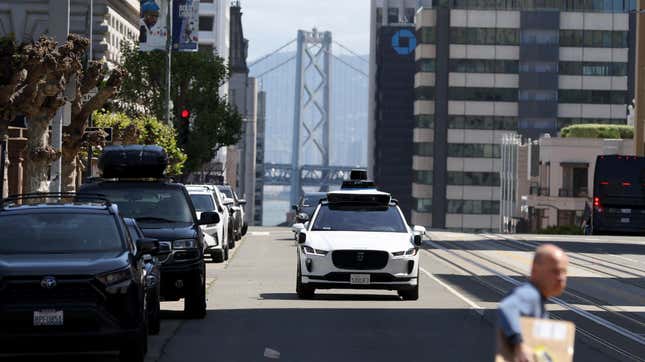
(360, 259)
(29, 291)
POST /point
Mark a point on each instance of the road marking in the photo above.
(625, 258)
(271, 353)
(472, 304)
(260, 233)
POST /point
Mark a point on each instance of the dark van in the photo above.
(619, 195)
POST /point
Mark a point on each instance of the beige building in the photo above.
(558, 194)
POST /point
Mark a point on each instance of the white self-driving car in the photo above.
(358, 239)
(216, 236)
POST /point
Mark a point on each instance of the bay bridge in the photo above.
(316, 112)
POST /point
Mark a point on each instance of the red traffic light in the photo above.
(185, 113)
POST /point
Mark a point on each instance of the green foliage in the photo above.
(562, 230)
(144, 130)
(196, 79)
(598, 131)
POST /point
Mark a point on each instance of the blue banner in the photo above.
(185, 25)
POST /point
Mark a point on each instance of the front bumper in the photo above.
(400, 273)
(177, 279)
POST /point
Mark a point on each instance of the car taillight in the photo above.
(604, 183)
(597, 204)
(627, 184)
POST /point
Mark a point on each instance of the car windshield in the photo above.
(359, 218)
(227, 192)
(203, 203)
(58, 233)
(151, 205)
(311, 200)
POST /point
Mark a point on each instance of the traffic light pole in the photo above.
(639, 147)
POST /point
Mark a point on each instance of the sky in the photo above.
(269, 24)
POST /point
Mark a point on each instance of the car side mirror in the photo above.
(209, 218)
(294, 207)
(303, 217)
(228, 202)
(302, 237)
(147, 246)
(242, 201)
(420, 230)
(298, 227)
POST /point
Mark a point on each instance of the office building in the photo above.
(485, 69)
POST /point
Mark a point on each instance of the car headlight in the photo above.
(115, 277)
(409, 252)
(184, 244)
(311, 251)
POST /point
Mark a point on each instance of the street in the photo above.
(255, 315)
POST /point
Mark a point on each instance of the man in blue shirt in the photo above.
(548, 279)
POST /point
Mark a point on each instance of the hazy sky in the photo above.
(268, 24)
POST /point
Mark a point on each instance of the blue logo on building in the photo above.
(404, 42)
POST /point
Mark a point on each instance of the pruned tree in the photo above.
(74, 140)
(33, 80)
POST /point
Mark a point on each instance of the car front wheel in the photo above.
(304, 291)
(195, 301)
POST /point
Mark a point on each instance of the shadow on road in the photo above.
(320, 295)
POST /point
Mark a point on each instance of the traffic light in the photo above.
(185, 114)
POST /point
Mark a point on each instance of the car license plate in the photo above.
(359, 279)
(48, 317)
(626, 211)
(624, 220)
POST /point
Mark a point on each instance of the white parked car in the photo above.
(216, 237)
(358, 239)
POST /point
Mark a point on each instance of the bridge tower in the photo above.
(312, 113)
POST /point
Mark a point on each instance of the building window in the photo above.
(474, 150)
(424, 149)
(424, 205)
(379, 16)
(540, 95)
(612, 69)
(594, 38)
(409, 15)
(482, 122)
(423, 177)
(206, 23)
(393, 15)
(538, 123)
(592, 96)
(564, 5)
(483, 94)
(538, 67)
(484, 36)
(424, 93)
(459, 178)
(483, 66)
(424, 121)
(539, 36)
(473, 207)
(574, 180)
(426, 65)
(426, 35)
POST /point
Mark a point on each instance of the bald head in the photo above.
(549, 271)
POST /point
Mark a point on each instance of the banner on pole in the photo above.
(185, 27)
(153, 25)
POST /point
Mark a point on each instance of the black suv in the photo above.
(164, 211)
(71, 277)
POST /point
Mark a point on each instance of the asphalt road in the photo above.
(255, 315)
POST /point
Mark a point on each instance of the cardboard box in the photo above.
(544, 341)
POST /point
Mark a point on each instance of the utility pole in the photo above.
(639, 147)
(59, 29)
(169, 64)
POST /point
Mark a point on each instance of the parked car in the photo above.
(205, 198)
(152, 280)
(304, 209)
(240, 225)
(71, 277)
(163, 209)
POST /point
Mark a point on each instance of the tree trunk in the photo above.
(39, 154)
(69, 170)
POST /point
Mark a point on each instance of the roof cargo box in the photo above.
(133, 161)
